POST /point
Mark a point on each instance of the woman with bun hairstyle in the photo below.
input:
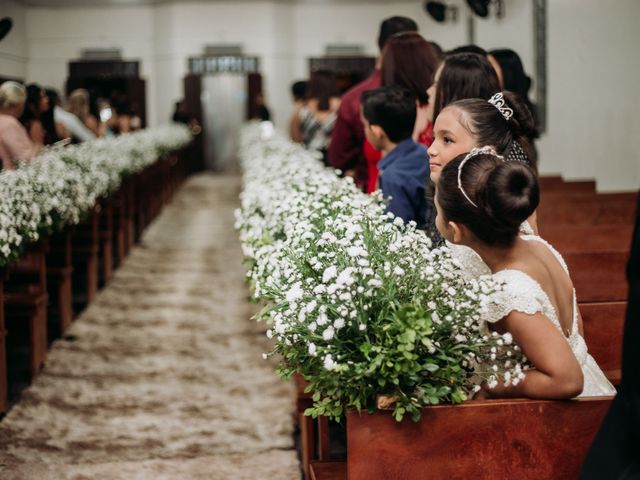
(481, 202)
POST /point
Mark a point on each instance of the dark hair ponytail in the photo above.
(510, 138)
(493, 199)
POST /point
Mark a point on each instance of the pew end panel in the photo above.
(524, 439)
(598, 276)
(603, 332)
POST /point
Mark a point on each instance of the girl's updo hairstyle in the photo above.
(486, 123)
(505, 194)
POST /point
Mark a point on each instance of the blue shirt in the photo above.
(403, 176)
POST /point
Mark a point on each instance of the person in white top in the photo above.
(72, 123)
(481, 202)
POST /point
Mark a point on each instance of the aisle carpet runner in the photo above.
(163, 376)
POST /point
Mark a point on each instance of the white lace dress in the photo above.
(524, 294)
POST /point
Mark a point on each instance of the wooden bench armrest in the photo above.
(334, 470)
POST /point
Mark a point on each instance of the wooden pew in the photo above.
(119, 206)
(587, 238)
(603, 331)
(329, 470)
(85, 247)
(600, 209)
(105, 233)
(314, 433)
(598, 276)
(523, 439)
(558, 185)
(25, 303)
(59, 283)
(4, 386)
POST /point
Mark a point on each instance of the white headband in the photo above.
(488, 150)
(498, 101)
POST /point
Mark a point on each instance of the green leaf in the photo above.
(431, 367)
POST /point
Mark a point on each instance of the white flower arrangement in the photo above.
(359, 303)
(62, 184)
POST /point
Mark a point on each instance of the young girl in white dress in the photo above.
(481, 202)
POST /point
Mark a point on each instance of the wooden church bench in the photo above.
(523, 439)
(105, 232)
(118, 202)
(59, 283)
(557, 184)
(603, 209)
(603, 331)
(4, 388)
(598, 276)
(314, 433)
(588, 238)
(25, 303)
(329, 470)
(85, 248)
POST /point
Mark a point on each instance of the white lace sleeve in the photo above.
(470, 262)
(519, 292)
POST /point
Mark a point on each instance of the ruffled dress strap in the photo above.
(520, 293)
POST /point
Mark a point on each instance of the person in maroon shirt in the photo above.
(347, 140)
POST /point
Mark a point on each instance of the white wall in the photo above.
(592, 66)
(13, 49)
(593, 96)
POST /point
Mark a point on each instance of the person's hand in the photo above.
(384, 402)
(482, 394)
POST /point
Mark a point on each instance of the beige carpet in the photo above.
(163, 376)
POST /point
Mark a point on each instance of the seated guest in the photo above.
(347, 140)
(408, 60)
(299, 95)
(516, 80)
(37, 102)
(74, 126)
(317, 117)
(54, 131)
(79, 106)
(489, 56)
(461, 75)
(15, 143)
(481, 202)
(389, 115)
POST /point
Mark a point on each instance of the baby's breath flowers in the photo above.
(359, 303)
(62, 184)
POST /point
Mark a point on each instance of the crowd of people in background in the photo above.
(355, 132)
(33, 117)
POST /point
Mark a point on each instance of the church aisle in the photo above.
(162, 377)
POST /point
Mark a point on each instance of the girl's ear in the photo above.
(459, 232)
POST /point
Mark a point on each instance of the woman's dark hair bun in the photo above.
(511, 193)
(493, 197)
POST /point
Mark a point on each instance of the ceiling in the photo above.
(120, 3)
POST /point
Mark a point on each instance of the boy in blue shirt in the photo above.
(389, 115)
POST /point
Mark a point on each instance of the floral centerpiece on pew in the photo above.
(61, 184)
(360, 305)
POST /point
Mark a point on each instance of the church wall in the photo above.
(13, 48)
(592, 93)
